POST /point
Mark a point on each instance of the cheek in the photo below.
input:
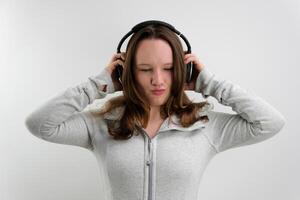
(141, 82)
(170, 79)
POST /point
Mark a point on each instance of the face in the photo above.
(154, 70)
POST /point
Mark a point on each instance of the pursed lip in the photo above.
(158, 92)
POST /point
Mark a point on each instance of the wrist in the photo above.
(108, 69)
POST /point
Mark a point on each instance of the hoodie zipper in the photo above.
(150, 164)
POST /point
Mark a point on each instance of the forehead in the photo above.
(154, 51)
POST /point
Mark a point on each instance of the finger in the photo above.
(193, 59)
(114, 64)
(123, 54)
(120, 56)
(118, 62)
(189, 55)
(114, 57)
(190, 59)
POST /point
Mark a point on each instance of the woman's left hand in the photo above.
(198, 66)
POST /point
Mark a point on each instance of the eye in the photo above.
(169, 68)
(145, 70)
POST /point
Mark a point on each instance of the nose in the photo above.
(157, 78)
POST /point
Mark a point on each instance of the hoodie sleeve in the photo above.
(255, 121)
(62, 119)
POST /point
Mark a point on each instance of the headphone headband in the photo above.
(141, 25)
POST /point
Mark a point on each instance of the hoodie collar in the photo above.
(173, 123)
(170, 123)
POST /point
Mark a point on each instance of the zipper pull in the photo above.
(148, 162)
(149, 145)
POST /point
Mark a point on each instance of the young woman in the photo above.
(152, 141)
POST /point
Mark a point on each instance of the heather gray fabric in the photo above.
(170, 165)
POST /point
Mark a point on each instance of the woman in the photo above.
(152, 142)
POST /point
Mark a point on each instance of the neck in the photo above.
(155, 113)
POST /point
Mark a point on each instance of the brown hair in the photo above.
(136, 108)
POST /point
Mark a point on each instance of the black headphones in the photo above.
(141, 25)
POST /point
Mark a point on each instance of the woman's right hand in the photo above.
(116, 59)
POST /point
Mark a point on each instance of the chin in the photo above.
(158, 101)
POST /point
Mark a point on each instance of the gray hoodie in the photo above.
(171, 164)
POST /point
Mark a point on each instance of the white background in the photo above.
(47, 46)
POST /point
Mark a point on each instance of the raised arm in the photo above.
(255, 121)
(62, 120)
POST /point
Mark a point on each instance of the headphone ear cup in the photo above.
(119, 70)
(189, 72)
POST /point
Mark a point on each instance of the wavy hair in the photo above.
(136, 108)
